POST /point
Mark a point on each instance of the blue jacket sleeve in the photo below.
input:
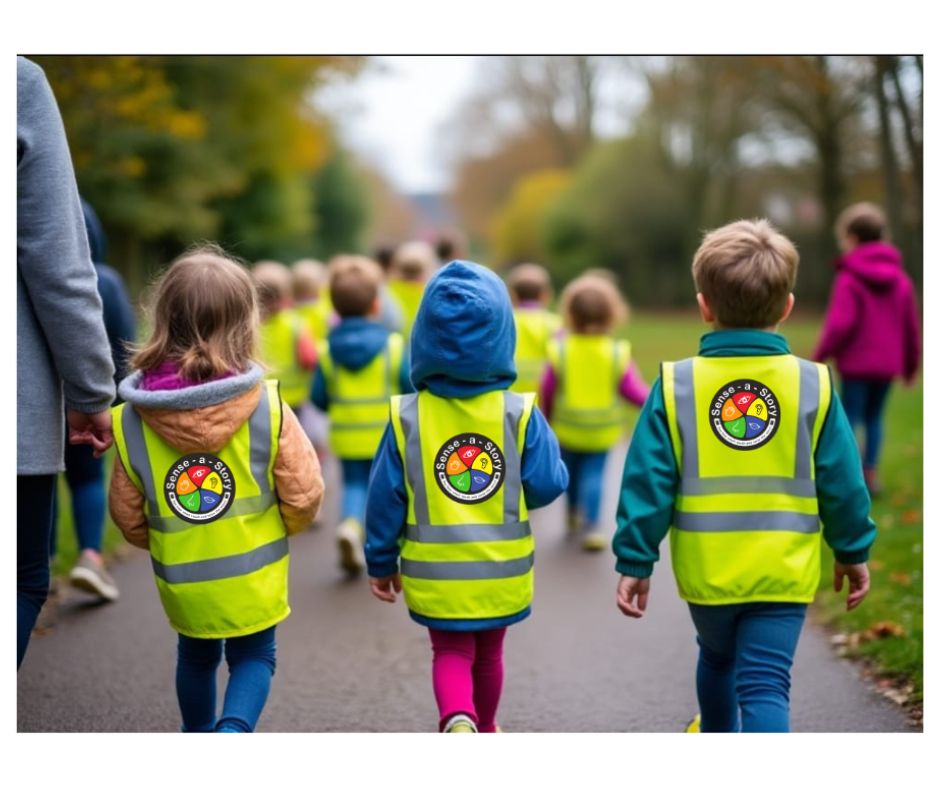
(544, 475)
(318, 391)
(844, 503)
(386, 508)
(648, 490)
(404, 374)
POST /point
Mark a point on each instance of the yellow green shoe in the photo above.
(593, 542)
(460, 723)
(695, 724)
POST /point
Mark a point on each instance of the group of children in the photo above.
(739, 453)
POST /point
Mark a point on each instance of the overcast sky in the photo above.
(392, 112)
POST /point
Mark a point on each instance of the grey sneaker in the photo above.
(89, 576)
(349, 539)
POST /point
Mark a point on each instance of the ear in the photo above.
(791, 299)
(704, 309)
(376, 308)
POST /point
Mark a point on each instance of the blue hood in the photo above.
(464, 336)
(97, 241)
(356, 341)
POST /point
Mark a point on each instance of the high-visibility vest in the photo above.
(467, 551)
(218, 545)
(746, 520)
(359, 399)
(279, 336)
(315, 316)
(588, 413)
(408, 295)
(534, 330)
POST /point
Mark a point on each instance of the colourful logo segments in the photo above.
(744, 414)
(199, 488)
(469, 468)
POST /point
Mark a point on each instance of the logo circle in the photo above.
(199, 488)
(744, 414)
(469, 468)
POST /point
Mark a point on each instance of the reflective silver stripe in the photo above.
(259, 437)
(684, 387)
(463, 534)
(137, 452)
(809, 407)
(717, 522)
(467, 570)
(220, 568)
(409, 425)
(513, 407)
(799, 488)
(171, 524)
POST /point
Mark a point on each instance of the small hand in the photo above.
(630, 588)
(382, 587)
(91, 428)
(859, 582)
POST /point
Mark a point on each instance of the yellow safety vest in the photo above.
(359, 399)
(408, 295)
(279, 335)
(534, 330)
(315, 315)
(746, 520)
(218, 545)
(467, 551)
(588, 413)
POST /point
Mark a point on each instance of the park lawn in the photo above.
(887, 628)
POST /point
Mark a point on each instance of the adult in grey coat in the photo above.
(62, 350)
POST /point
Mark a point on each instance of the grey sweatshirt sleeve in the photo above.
(53, 258)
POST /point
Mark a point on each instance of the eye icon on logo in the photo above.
(744, 414)
(469, 468)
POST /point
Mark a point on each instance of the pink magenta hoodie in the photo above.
(872, 327)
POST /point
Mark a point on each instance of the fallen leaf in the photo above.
(876, 564)
(883, 629)
(911, 516)
(901, 578)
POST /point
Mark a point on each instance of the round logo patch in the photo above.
(199, 488)
(469, 468)
(744, 414)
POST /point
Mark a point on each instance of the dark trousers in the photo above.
(34, 501)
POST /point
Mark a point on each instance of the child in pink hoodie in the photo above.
(872, 327)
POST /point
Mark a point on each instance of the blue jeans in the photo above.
(34, 497)
(251, 662)
(864, 403)
(745, 655)
(85, 477)
(585, 479)
(355, 487)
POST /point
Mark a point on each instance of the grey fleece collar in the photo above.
(199, 396)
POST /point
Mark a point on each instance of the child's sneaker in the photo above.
(694, 725)
(349, 538)
(593, 542)
(574, 523)
(91, 576)
(460, 723)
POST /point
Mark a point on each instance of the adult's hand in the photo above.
(93, 429)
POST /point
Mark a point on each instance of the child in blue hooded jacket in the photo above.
(459, 466)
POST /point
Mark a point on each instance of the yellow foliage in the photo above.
(516, 231)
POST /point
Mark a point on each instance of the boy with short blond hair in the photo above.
(362, 365)
(739, 453)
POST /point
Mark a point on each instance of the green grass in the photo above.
(896, 565)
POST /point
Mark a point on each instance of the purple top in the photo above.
(166, 377)
(632, 388)
(872, 327)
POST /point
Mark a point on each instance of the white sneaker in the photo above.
(352, 557)
(460, 723)
(89, 576)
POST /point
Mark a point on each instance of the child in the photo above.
(531, 292)
(412, 265)
(872, 326)
(212, 474)
(361, 367)
(742, 450)
(589, 376)
(460, 465)
(312, 297)
(287, 349)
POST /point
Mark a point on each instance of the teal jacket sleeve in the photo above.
(844, 503)
(648, 490)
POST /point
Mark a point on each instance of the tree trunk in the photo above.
(889, 163)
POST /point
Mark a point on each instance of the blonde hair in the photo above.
(204, 316)
(273, 283)
(354, 284)
(308, 278)
(863, 220)
(413, 262)
(592, 304)
(529, 282)
(746, 271)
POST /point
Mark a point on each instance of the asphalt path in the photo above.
(347, 662)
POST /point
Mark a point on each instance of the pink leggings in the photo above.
(468, 675)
